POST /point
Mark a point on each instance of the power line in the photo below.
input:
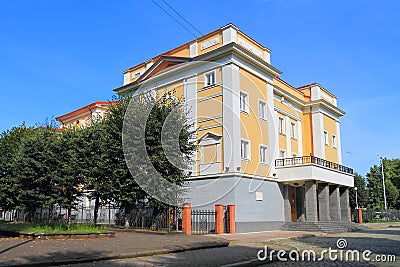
(166, 12)
(191, 25)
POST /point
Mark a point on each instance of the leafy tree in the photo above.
(68, 176)
(153, 113)
(362, 196)
(35, 167)
(10, 145)
(375, 186)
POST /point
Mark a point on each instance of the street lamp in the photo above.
(355, 189)
(383, 182)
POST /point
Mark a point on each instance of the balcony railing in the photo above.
(312, 160)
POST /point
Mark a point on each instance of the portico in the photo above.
(311, 198)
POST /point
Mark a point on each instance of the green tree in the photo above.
(375, 186)
(126, 190)
(10, 145)
(362, 196)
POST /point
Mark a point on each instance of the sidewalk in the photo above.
(126, 244)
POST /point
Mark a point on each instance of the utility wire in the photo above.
(166, 12)
(191, 25)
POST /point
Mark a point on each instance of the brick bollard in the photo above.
(360, 221)
(187, 219)
(219, 219)
(232, 223)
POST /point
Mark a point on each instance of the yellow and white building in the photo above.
(84, 116)
(272, 149)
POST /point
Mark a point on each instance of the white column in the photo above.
(190, 93)
(338, 143)
(229, 35)
(288, 138)
(193, 49)
(231, 117)
(318, 134)
(272, 119)
(300, 138)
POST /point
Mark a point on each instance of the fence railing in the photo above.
(312, 160)
(141, 217)
(377, 216)
(203, 222)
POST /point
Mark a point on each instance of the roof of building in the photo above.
(87, 108)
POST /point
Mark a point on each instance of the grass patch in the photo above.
(51, 227)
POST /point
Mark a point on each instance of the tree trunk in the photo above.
(96, 209)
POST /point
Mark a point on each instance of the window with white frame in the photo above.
(244, 102)
(263, 154)
(262, 110)
(293, 132)
(282, 154)
(281, 125)
(334, 144)
(326, 138)
(245, 149)
(210, 78)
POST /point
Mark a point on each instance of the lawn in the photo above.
(51, 227)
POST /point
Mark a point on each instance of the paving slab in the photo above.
(126, 244)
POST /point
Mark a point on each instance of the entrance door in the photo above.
(292, 200)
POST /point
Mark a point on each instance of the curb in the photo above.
(175, 249)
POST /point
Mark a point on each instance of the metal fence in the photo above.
(203, 222)
(169, 218)
(377, 216)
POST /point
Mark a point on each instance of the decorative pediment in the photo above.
(162, 64)
(209, 137)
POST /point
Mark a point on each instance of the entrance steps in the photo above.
(329, 227)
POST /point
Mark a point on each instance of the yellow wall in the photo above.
(252, 128)
(286, 108)
(210, 153)
(306, 135)
(133, 72)
(201, 41)
(331, 154)
(288, 89)
(175, 89)
(182, 52)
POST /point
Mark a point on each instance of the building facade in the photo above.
(272, 149)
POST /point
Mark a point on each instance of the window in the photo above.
(334, 145)
(244, 102)
(263, 154)
(326, 138)
(245, 150)
(281, 125)
(282, 154)
(293, 130)
(210, 78)
(262, 111)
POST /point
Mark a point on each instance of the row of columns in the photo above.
(330, 202)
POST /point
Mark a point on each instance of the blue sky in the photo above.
(56, 56)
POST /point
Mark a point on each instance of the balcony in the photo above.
(313, 168)
(313, 160)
